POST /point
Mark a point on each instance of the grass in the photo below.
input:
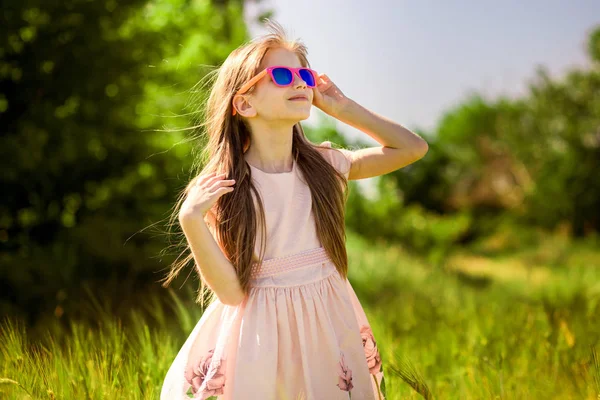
(485, 325)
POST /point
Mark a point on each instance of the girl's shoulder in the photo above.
(341, 159)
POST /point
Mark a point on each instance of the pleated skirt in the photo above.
(301, 333)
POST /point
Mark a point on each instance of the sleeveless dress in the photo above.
(301, 333)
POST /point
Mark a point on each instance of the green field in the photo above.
(493, 322)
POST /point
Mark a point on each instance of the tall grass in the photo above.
(484, 336)
(443, 332)
(109, 359)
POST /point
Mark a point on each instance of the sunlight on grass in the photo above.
(443, 333)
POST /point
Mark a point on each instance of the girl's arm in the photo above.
(400, 147)
(215, 268)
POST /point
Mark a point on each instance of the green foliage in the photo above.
(564, 119)
(106, 360)
(85, 88)
(594, 45)
(512, 156)
(514, 338)
(437, 334)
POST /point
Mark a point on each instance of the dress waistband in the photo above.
(277, 265)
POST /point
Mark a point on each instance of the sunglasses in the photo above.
(282, 76)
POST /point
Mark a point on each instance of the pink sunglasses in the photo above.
(282, 76)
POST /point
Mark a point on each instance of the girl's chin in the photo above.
(305, 117)
(297, 117)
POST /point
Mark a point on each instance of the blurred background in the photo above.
(478, 265)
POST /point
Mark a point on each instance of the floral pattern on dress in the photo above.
(371, 350)
(373, 358)
(344, 375)
(207, 377)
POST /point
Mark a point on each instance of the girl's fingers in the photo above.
(209, 178)
(218, 184)
(216, 178)
(224, 190)
(325, 85)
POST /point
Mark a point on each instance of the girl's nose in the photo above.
(298, 82)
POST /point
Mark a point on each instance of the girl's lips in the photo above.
(299, 98)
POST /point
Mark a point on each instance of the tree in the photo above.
(84, 85)
(535, 157)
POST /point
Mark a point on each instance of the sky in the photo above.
(412, 61)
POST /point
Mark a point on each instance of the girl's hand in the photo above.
(328, 97)
(204, 193)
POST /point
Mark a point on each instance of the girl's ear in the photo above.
(243, 106)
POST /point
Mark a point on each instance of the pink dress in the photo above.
(301, 333)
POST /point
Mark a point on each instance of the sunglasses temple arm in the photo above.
(249, 84)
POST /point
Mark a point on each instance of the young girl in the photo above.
(265, 225)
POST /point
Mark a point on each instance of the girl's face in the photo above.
(271, 102)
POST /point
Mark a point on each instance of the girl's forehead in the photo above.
(281, 57)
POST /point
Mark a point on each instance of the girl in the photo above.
(265, 225)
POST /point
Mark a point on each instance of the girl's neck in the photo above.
(271, 151)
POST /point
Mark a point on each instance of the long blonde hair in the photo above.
(233, 218)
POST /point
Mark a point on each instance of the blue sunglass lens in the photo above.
(308, 77)
(283, 76)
